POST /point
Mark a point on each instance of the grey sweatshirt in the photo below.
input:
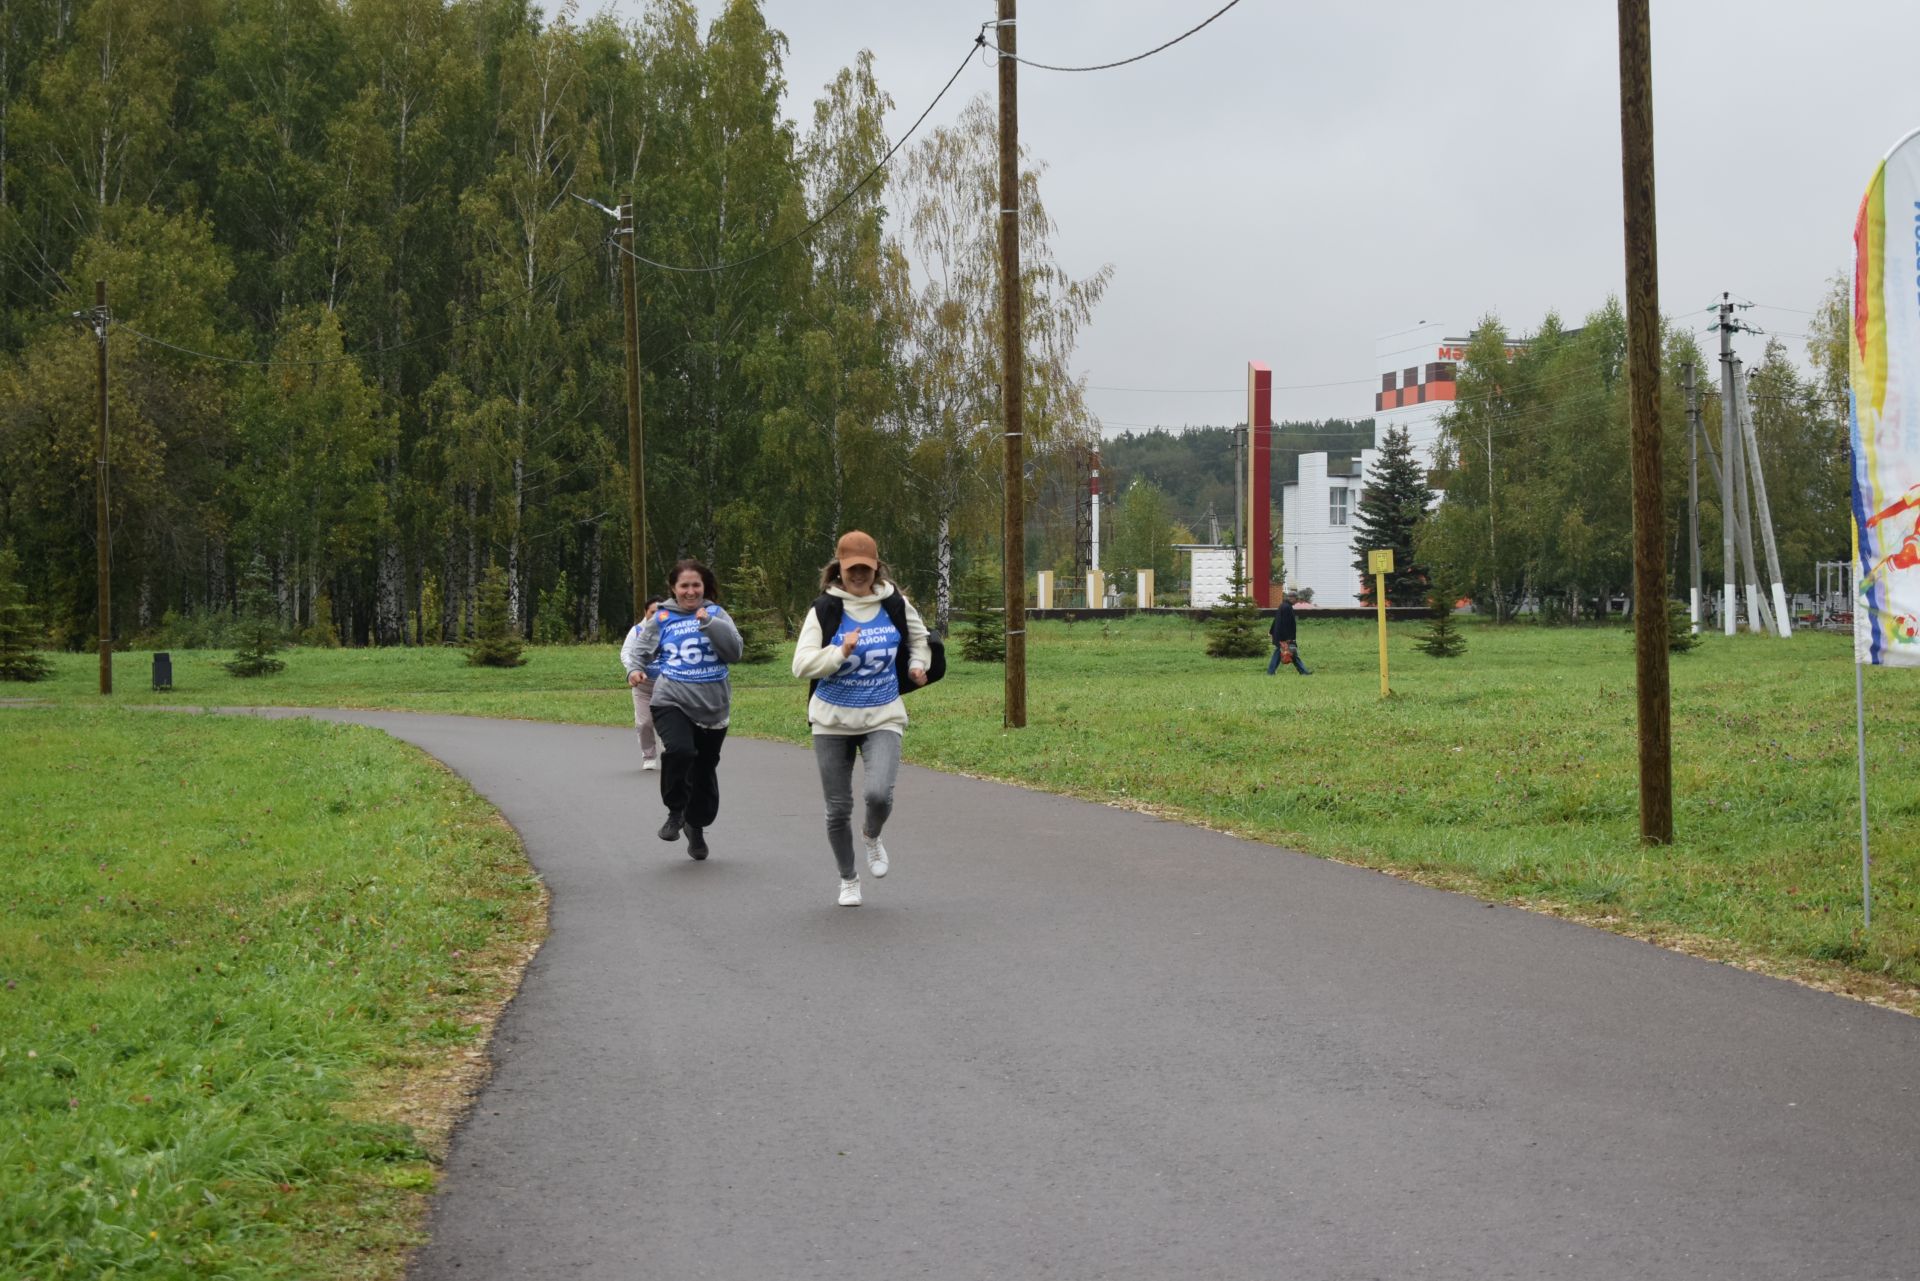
(708, 701)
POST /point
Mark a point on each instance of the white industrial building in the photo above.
(1317, 509)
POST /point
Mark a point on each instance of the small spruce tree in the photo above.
(257, 625)
(1442, 639)
(1680, 634)
(750, 605)
(1391, 507)
(983, 637)
(553, 618)
(20, 659)
(1236, 629)
(494, 643)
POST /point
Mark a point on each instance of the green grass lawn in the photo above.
(1508, 773)
(238, 959)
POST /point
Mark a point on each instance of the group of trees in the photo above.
(1538, 511)
(364, 330)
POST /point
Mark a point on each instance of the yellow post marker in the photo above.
(1380, 564)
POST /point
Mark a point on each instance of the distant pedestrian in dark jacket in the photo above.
(1286, 649)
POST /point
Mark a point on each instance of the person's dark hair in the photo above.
(708, 584)
(830, 575)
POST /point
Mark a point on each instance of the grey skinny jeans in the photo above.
(834, 753)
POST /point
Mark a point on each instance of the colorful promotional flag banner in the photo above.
(1884, 396)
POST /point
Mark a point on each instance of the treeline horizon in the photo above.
(367, 332)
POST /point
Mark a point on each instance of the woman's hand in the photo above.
(849, 642)
(701, 614)
(918, 675)
(634, 678)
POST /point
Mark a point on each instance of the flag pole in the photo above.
(1860, 727)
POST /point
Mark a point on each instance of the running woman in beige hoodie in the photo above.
(856, 705)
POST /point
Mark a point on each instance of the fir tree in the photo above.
(983, 638)
(750, 607)
(257, 628)
(19, 627)
(494, 643)
(1442, 639)
(1680, 634)
(1236, 628)
(1392, 506)
(553, 618)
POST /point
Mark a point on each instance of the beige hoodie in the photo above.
(814, 661)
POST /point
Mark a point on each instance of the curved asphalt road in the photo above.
(1065, 1041)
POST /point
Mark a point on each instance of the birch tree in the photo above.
(952, 373)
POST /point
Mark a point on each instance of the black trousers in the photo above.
(689, 766)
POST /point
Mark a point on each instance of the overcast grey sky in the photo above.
(1300, 179)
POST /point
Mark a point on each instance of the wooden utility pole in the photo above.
(102, 524)
(1012, 377)
(636, 451)
(1643, 395)
(1693, 495)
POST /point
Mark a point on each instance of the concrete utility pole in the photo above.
(1643, 397)
(1493, 547)
(1012, 376)
(1239, 481)
(102, 523)
(636, 442)
(1094, 530)
(1776, 586)
(1693, 495)
(1759, 615)
(1729, 512)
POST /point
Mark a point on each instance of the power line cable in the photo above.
(1221, 391)
(979, 42)
(1108, 66)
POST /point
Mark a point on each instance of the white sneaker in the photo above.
(876, 857)
(850, 893)
(650, 762)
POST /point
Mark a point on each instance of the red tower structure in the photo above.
(1259, 482)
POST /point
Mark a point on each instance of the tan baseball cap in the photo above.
(856, 548)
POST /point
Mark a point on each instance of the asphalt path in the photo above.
(1067, 1041)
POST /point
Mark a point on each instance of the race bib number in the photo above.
(686, 654)
(866, 677)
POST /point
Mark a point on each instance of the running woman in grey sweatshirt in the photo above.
(693, 640)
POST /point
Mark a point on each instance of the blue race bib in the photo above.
(866, 678)
(685, 653)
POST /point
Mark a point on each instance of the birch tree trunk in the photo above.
(943, 590)
(473, 560)
(592, 629)
(514, 614)
(389, 620)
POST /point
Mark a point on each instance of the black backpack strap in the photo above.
(896, 606)
(830, 609)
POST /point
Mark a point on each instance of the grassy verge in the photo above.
(245, 969)
(1509, 772)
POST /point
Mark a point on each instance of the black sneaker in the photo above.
(670, 830)
(696, 843)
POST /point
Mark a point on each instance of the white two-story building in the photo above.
(1317, 510)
